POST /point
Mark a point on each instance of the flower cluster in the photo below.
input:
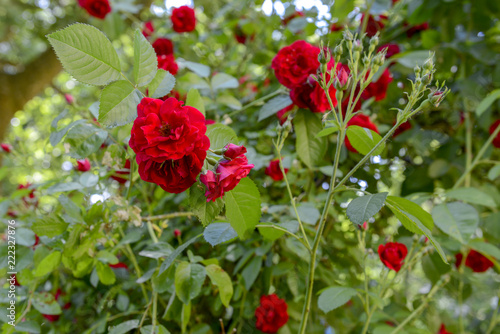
(170, 143)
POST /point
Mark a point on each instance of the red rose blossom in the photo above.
(118, 265)
(177, 233)
(474, 260)
(163, 47)
(442, 330)
(183, 19)
(362, 121)
(336, 27)
(96, 8)
(271, 314)
(117, 174)
(148, 29)
(391, 48)
(228, 174)
(294, 63)
(6, 147)
(168, 63)
(167, 130)
(374, 24)
(402, 128)
(493, 127)
(416, 29)
(311, 96)
(378, 89)
(55, 317)
(82, 165)
(274, 171)
(392, 255)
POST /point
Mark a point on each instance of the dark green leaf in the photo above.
(363, 208)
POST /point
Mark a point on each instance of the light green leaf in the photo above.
(363, 208)
(342, 8)
(333, 297)
(107, 257)
(433, 267)
(308, 213)
(64, 187)
(188, 280)
(49, 226)
(85, 139)
(48, 264)
(158, 330)
(205, 211)
(327, 131)
(218, 233)
(251, 272)
(162, 84)
(45, 303)
(243, 207)
(230, 101)
(145, 62)
(458, 220)
(124, 327)
(414, 210)
(220, 135)
(118, 104)
(194, 100)
(223, 81)
(487, 102)
(364, 140)
(494, 172)
(86, 53)
(105, 273)
(185, 315)
(309, 148)
(171, 258)
(412, 58)
(273, 106)
(471, 195)
(222, 280)
(200, 69)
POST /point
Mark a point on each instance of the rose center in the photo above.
(166, 130)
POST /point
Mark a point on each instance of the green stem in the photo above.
(152, 232)
(131, 179)
(168, 216)
(368, 318)
(494, 319)
(306, 245)
(155, 302)
(468, 147)
(251, 104)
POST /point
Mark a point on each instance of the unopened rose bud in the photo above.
(357, 46)
(347, 35)
(324, 56)
(365, 226)
(373, 43)
(69, 98)
(342, 80)
(427, 79)
(379, 59)
(428, 65)
(177, 233)
(83, 165)
(6, 147)
(212, 161)
(436, 98)
(417, 70)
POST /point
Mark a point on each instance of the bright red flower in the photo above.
(274, 171)
(294, 63)
(336, 27)
(392, 255)
(271, 314)
(177, 233)
(148, 29)
(378, 89)
(416, 29)
(402, 128)
(6, 147)
(311, 96)
(168, 63)
(442, 330)
(183, 19)
(362, 121)
(493, 127)
(228, 174)
(209, 121)
(474, 260)
(117, 174)
(96, 8)
(163, 46)
(83, 165)
(392, 49)
(167, 130)
(118, 265)
(375, 24)
(283, 113)
(292, 16)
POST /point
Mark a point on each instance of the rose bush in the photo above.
(226, 168)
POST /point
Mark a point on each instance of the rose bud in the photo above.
(69, 98)
(274, 171)
(83, 165)
(177, 233)
(6, 147)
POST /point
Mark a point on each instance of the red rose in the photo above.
(167, 130)
(228, 174)
(55, 317)
(493, 127)
(183, 19)
(148, 29)
(118, 265)
(177, 233)
(402, 128)
(294, 63)
(392, 49)
(375, 24)
(283, 114)
(378, 89)
(271, 314)
(96, 8)
(6, 147)
(163, 46)
(173, 176)
(167, 62)
(291, 17)
(311, 96)
(336, 27)
(416, 29)
(83, 165)
(392, 255)
(209, 121)
(274, 171)
(442, 330)
(362, 121)
(474, 260)
(126, 171)
(30, 198)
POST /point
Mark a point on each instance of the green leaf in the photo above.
(222, 280)
(364, 140)
(205, 211)
(188, 280)
(458, 220)
(485, 248)
(218, 233)
(49, 226)
(309, 148)
(145, 62)
(341, 8)
(251, 272)
(471, 195)
(433, 267)
(220, 135)
(45, 303)
(327, 131)
(223, 81)
(494, 172)
(194, 100)
(487, 102)
(157, 250)
(273, 106)
(158, 330)
(412, 58)
(414, 210)
(162, 84)
(105, 273)
(308, 213)
(185, 315)
(171, 258)
(363, 208)
(85, 139)
(230, 101)
(48, 264)
(107, 257)
(243, 207)
(118, 104)
(86, 53)
(64, 187)
(124, 327)
(199, 69)
(333, 297)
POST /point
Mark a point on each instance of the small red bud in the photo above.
(83, 165)
(69, 98)
(6, 147)
(365, 226)
(177, 233)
